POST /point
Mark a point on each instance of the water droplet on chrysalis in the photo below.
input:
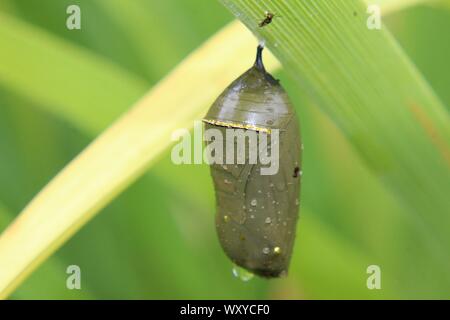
(242, 274)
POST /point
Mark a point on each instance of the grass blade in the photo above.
(67, 70)
(111, 163)
(365, 83)
(48, 278)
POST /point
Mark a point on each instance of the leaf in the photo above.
(49, 278)
(94, 178)
(160, 230)
(365, 83)
(390, 6)
(49, 66)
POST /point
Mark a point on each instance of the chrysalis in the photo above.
(256, 213)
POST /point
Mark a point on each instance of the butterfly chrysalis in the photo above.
(257, 213)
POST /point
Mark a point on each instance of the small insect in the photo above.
(267, 20)
(257, 214)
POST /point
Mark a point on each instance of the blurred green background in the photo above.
(60, 88)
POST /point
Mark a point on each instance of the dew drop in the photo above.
(242, 274)
(268, 220)
(254, 202)
(266, 250)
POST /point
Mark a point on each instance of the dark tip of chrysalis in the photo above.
(259, 62)
(260, 66)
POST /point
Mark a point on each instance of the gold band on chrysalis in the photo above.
(238, 125)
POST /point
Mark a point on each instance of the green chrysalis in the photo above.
(257, 214)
